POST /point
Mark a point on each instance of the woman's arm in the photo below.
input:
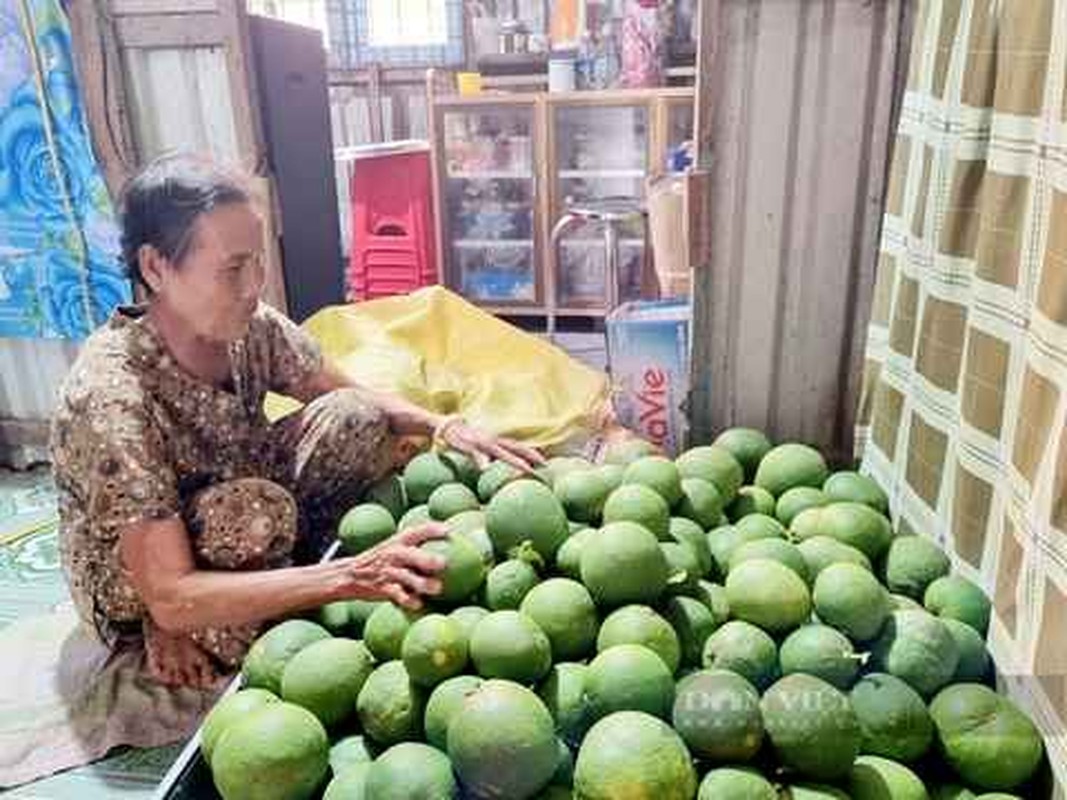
(182, 598)
(406, 418)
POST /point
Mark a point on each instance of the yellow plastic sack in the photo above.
(442, 353)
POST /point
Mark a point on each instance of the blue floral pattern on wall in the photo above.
(60, 274)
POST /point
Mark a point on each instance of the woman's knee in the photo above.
(248, 523)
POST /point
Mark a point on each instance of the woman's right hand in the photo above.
(397, 569)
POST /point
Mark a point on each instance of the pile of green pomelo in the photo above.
(735, 624)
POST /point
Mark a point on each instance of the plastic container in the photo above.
(561, 71)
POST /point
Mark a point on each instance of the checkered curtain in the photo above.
(965, 391)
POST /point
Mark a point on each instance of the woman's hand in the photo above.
(484, 447)
(176, 660)
(397, 569)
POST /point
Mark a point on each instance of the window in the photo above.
(415, 33)
(309, 13)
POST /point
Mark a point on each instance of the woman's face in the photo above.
(216, 287)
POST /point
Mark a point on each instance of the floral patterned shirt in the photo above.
(135, 435)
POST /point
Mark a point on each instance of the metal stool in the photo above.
(610, 213)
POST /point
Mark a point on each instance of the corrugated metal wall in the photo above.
(803, 97)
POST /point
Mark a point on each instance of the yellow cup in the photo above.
(469, 82)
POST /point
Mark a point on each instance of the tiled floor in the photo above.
(31, 583)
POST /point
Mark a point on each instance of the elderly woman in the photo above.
(183, 510)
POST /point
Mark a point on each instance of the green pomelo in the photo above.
(877, 778)
(693, 622)
(814, 791)
(797, 500)
(560, 467)
(812, 727)
(623, 563)
(747, 445)
(326, 677)
(349, 752)
(956, 597)
(736, 783)
(502, 743)
(510, 645)
(414, 517)
(636, 503)
(508, 583)
(683, 567)
(918, 648)
(464, 467)
(389, 492)
(278, 752)
(713, 595)
(715, 464)
(334, 617)
(717, 714)
(622, 452)
(365, 526)
(759, 526)
(424, 473)
(526, 510)
(657, 473)
(628, 677)
(785, 553)
(434, 649)
(975, 664)
(569, 556)
(494, 478)
(701, 502)
(769, 595)
(583, 495)
(821, 651)
(385, 630)
(912, 564)
(852, 487)
(611, 474)
(563, 693)
(450, 499)
(466, 522)
(351, 785)
(821, 552)
(685, 531)
(464, 568)
(986, 739)
(229, 710)
(269, 654)
(467, 617)
(445, 701)
(790, 465)
(745, 649)
(633, 755)
(390, 705)
(565, 611)
(639, 624)
(893, 718)
(852, 600)
(411, 771)
(751, 500)
(853, 524)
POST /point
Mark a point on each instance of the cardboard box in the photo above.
(648, 356)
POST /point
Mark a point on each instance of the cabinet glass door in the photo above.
(489, 204)
(679, 123)
(601, 152)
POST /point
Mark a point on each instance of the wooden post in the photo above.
(374, 105)
(707, 376)
(100, 78)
